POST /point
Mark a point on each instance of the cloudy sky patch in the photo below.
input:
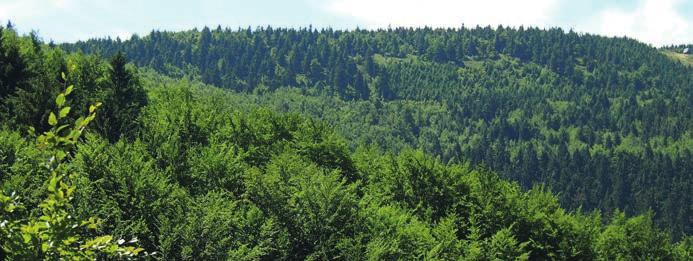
(658, 22)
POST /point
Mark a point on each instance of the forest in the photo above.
(606, 123)
(266, 144)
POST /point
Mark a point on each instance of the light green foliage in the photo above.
(316, 205)
(217, 166)
(684, 249)
(635, 238)
(120, 184)
(396, 235)
(421, 183)
(504, 246)
(217, 227)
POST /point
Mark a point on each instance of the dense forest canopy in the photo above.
(176, 169)
(607, 123)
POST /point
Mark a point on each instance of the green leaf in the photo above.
(60, 100)
(60, 155)
(52, 184)
(62, 127)
(52, 120)
(64, 112)
(62, 75)
(74, 134)
(69, 89)
(79, 121)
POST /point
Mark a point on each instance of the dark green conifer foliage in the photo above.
(124, 98)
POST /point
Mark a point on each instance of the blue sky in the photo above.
(656, 22)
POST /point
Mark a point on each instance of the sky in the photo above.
(657, 22)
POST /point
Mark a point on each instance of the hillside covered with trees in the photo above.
(607, 123)
(166, 168)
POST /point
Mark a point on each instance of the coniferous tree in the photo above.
(125, 98)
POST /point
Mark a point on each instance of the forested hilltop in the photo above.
(101, 160)
(607, 123)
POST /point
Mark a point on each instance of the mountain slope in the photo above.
(605, 122)
(194, 172)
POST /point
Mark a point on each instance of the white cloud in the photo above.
(26, 9)
(62, 4)
(63, 20)
(17, 9)
(445, 13)
(658, 22)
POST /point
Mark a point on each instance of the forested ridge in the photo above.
(606, 123)
(100, 159)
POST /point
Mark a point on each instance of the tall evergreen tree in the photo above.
(124, 98)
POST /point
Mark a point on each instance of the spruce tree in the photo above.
(125, 98)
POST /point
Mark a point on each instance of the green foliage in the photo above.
(316, 205)
(604, 121)
(218, 166)
(120, 184)
(208, 174)
(504, 246)
(54, 233)
(421, 182)
(395, 235)
(31, 71)
(217, 227)
(124, 99)
(260, 185)
(643, 241)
